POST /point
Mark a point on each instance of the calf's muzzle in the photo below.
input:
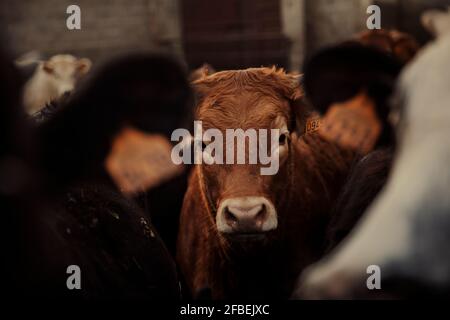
(246, 215)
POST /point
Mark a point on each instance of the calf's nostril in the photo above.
(261, 215)
(230, 218)
(244, 217)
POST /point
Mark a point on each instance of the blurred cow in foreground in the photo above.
(83, 217)
(437, 22)
(364, 123)
(406, 230)
(351, 85)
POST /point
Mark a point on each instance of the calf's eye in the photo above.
(282, 139)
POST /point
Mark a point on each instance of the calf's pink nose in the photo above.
(248, 218)
(246, 215)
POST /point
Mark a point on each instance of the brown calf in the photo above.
(243, 234)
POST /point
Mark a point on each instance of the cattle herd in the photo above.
(87, 180)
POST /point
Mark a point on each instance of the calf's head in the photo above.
(64, 70)
(243, 201)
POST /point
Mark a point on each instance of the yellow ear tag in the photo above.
(139, 161)
(352, 124)
(312, 124)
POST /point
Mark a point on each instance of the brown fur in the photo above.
(303, 190)
(400, 45)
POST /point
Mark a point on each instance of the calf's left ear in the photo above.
(289, 83)
(48, 67)
(302, 114)
(84, 65)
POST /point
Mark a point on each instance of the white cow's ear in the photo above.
(436, 22)
(84, 65)
(48, 67)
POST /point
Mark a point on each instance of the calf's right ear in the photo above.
(201, 87)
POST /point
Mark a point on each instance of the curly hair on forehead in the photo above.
(269, 81)
(247, 98)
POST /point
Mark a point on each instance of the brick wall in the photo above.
(114, 26)
(107, 26)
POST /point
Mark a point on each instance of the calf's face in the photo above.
(255, 100)
(64, 70)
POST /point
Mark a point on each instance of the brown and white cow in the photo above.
(243, 234)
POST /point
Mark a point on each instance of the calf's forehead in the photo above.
(64, 65)
(245, 108)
